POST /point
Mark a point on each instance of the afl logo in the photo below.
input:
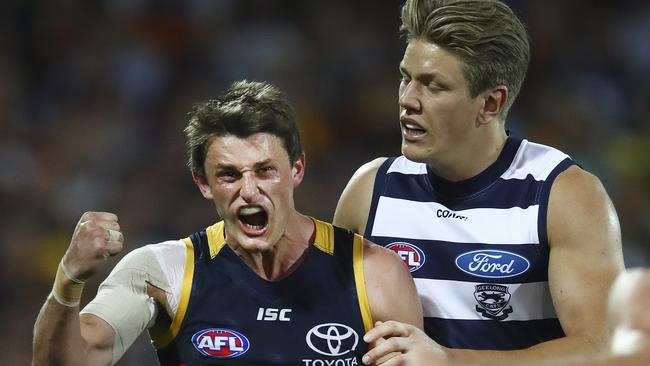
(332, 339)
(410, 254)
(220, 343)
(492, 263)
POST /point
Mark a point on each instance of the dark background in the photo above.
(94, 97)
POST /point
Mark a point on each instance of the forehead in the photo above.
(233, 150)
(426, 58)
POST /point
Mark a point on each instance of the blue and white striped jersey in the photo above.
(477, 249)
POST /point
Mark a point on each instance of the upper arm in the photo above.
(354, 204)
(99, 339)
(585, 252)
(123, 302)
(392, 294)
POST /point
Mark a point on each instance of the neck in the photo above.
(471, 158)
(286, 254)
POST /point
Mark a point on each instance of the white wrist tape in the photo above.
(67, 289)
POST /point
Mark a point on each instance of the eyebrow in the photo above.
(430, 74)
(426, 77)
(257, 165)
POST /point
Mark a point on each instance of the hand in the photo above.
(412, 345)
(628, 312)
(96, 237)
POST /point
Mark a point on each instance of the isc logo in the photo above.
(220, 343)
(410, 254)
(272, 314)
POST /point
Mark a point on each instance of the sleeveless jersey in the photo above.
(228, 315)
(478, 248)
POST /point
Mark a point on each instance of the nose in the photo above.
(249, 190)
(408, 97)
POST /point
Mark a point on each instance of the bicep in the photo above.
(584, 237)
(354, 204)
(99, 337)
(123, 302)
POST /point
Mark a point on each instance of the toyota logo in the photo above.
(332, 339)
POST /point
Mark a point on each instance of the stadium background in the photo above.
(94, 94)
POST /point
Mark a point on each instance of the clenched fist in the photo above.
(96, 237)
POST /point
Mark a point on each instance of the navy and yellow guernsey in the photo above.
(228, 315)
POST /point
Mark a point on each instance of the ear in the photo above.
(202, 183)
(298, 170)
(494, 101)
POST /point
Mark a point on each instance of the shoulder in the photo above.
(538, 160)
(354, 203)
(578, 189)
(152, 254)
(367, 171)
(383, 265)
(161, 265)
(378, 254)
(581, 212)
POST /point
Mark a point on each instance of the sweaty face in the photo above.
(251, 182)
(437, 114)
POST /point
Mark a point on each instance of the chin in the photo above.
(415, 154)
(255, 245)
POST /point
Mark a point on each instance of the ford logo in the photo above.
(492, 263)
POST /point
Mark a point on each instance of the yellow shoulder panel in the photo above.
(360, 281)
(324, 238)
(168, 336)
(216, 238)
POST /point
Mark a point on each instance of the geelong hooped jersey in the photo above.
(477, 249)
(228, 315)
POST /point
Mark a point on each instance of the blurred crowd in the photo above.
(94, 97)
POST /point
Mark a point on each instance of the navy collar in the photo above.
(480, 181)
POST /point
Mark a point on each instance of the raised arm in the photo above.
(60, 336)
(354, 204)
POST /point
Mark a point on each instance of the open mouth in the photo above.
(253, 218)
(412, 130)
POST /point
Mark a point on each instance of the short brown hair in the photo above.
(487, 37)
(246, 108)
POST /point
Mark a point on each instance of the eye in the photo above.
(265, 170)
(435, 87)
(227, 175)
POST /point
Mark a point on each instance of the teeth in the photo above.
(411, 126)
(250, 210)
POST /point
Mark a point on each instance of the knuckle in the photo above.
(99, 243)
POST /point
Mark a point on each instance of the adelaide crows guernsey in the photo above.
(228, 315)
(477, 249)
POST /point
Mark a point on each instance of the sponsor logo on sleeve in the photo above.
(490, 263)
(412, 256)
(220, 343)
